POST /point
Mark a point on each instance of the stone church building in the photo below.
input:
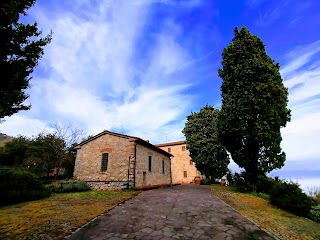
(111, 160)
(182, 167)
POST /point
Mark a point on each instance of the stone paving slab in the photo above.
(179, 212)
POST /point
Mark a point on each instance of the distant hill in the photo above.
(4, 139)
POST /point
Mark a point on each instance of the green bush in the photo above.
(65, 186)
(315, 213)
(205, 181)
(19, 186)
(265, 184)
(288, 196)
(241, 184)
(230, 178)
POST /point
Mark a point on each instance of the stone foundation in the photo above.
(109, 185)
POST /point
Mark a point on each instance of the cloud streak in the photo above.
(301, 76)
(95, 75)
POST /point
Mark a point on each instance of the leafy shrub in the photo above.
(208, 181)
(241, 184)
(288, 196)
(230, 177)
(265, 184)
(315, 213)
(205, 181)
(19, 186)
(65, 186)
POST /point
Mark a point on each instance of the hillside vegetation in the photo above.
(4, 139)
(279, 223)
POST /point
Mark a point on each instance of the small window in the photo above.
(183, 148)
(162, 166)
(104, 162)
(150, 163)
(169, 150)
(185, 174)
(191, 163)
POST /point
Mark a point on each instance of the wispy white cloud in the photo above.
(301, 75)
(23, 125)
(254, 3)
(188, 3)
(267, 17)
(298, 58)
(268, 12)
(94, 74)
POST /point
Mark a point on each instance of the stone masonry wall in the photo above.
(121, 157)
(109, 185)
(180, 163)
(143, 176)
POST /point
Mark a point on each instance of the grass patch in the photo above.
(58, 215)
(281, 224)
(261, 195)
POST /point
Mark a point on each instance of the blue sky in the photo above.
(141, 66)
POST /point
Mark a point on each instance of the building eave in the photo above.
(151, 146)
(101, 134)
(168, 144)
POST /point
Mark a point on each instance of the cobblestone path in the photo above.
(179, 212)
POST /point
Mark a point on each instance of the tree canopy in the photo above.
(254, 105)
(202, 140)
(20, 50)
(45, 151)
(15, 151)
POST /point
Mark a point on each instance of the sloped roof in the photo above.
(131, 138)
(170, 144)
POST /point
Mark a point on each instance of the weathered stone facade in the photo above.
(182, 168)
(156, 176)
(126, 165)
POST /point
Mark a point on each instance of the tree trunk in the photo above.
(254, 187)
(56, 175)
(252, 177)
(48, 175)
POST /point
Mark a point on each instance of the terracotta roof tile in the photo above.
(170, 144)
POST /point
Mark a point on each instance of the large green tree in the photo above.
(254, 106)
(202, 140)
(15, 152)
(20, 49)
(47, 151)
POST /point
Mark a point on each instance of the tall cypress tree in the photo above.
(254, 106)
(20, 50)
